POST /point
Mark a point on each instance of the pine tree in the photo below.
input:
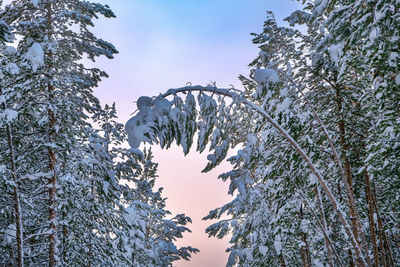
(54, 97)
(152, 236)
(13, 230)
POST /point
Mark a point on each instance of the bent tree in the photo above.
(316, 176)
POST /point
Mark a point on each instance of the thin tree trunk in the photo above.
(324, 230)
(17, 203)
(64, 240)
(384, 244)
(370, 201)
(305, 250)
(347, 165)
(64, 228)
(91, 230)
(282, 261)
(355, 218)
(324, 225)
(52, 158)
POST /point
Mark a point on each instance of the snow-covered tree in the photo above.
(52, 93)
(153, 233)
(11, 218)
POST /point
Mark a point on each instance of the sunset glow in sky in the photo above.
(165, 44)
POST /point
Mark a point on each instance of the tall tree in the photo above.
(54, 100)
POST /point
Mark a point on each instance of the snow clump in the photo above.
(397, 79)
(9, 115)
(10, 233)
(12, 68)
(35, 2)
(335, 53)
(10, 50)
(139, 127)
(264, 77)
(36, 56)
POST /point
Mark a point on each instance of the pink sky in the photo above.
(165, 44)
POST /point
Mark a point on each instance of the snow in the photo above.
(284, 105)
(10, 50)
(266, 76)
(251, 139)
(278, 244)
(12, 68)
(162, 106)
(319, 6)
(313, 179)
(232, 258)
(263, 55)
(10, 233)
(106, 186)
(335, 52)
(284, 92)
(2, 99)
(131, 216)
(140, 125)
(10, 114)
(174, 114)
(392, 59)
(142, 102)
(35, 2)
(36, 56)
(379, 15)
(136, 128)
(211, 158)
(397, 79)
(263, 250)
(373, 34)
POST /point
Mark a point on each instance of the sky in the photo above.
(165, 44)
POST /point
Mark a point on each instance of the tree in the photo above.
(15, 228)
(53, 94)
(152, 235)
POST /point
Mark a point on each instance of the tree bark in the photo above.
(305, 250)
(17, 203)
(370, 201)
(355, 218)
(324, 225)
(52, 156)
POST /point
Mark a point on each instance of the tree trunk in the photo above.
(305, 250)
(64, 240)
(355, 218)
(383, 244)
(324, 225)
(52, 156)
(17, 203)
(370, 201)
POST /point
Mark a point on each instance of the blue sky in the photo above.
(165, 44)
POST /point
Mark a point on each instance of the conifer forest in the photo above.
(312, 138)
